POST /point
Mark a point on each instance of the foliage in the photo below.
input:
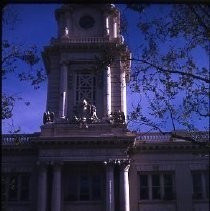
(169, 74)
(14, 57)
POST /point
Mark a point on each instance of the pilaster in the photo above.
(42, 187)
(110, 202)
(56, 187)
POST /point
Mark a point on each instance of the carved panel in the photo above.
(85, 87)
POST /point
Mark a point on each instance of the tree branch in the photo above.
(199, 18)
(172, 71)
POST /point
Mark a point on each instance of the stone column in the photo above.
(63, 91)
(124, 187)
(56, 188)
(123, 92)
(108, 91)
(110, 203)
(42, 188)
(115, 27)
(107, 25)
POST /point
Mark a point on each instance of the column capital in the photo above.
(42, 164)
(109, 162)
(64, 63)
(123, 162)
(56, 164)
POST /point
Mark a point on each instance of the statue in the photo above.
(48, 117)
(66, 32)
(93, 115)
(86, 114)
(84, 107)
(52, 116)
(117, 117)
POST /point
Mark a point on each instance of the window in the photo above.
(16, 187)
(168, 186)
(200, 180)
(144, 187)
(83, 185)
(156, 186)
(85, 87)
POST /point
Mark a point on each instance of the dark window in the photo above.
(83, 185)
(24, 187)
(197, 185)
(206, 175)
(84, 188)
(155, 186)
(71, 188)
(86, 22)
(96, 187)
(17, 187)
(144, 188)
(168, 186)
(13, 188)
(200, 180)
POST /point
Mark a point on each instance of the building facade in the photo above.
(84, 158)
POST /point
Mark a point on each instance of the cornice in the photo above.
(118, 141)
(79, 45)
(169, 146)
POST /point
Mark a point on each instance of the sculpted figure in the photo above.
(85, 109)
(66, 31)
(52, 116)
(93, 114)
(117, 117)
(48, 117)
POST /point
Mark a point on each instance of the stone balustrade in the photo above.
(158, 137)
(13, 139)
(10, 139)
(84, 40)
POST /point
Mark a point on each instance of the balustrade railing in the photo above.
(197, 136)
(153, 137)
(84, 40)
(12, 139)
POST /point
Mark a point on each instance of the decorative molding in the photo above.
(8, 168)
(155, 167)
(198, 166)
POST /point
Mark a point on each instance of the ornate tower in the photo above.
(88, 60)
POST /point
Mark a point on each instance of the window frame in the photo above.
(204, 182)
(20, 178)
(161, 186)
(89, 173)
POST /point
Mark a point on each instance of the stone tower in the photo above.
(81, 160)
(87, 60)
(84, 135)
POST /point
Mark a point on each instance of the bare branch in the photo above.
(199, 18)
(172, 71)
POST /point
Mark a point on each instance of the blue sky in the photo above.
(36, 25)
